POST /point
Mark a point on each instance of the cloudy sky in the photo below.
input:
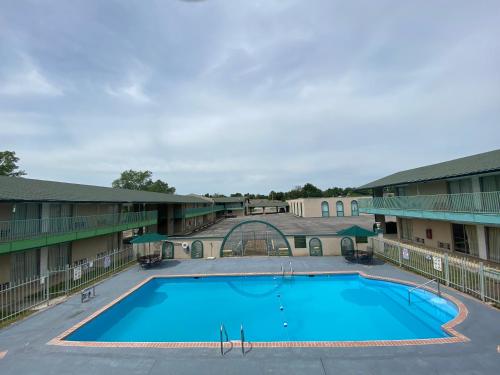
(249, 96)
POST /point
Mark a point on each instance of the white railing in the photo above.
(26, 296)
(462, 273)
(483, 202)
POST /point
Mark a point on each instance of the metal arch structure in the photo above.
(274, 250)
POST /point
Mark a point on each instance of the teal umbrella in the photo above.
(356, 231)
(149, 237)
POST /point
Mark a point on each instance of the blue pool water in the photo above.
(319, 308)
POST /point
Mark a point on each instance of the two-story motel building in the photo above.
(47, 225)
(449, 206)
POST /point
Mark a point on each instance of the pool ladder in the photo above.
(283, 270)
(437, 281)
(223, 333)
(225, 338)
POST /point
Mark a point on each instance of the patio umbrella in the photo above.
(148, 238)
(356, 231)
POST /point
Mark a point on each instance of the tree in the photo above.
(142, 180)
(8, 164)
(309, 190)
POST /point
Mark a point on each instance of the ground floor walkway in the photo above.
(25, 350)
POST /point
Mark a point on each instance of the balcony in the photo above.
(480, 208)
(27, 234)
(197, 211)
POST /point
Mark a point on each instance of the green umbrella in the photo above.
(356, 231)
(149, 237)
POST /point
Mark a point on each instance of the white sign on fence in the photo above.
(77, 273)
(107, 261)
(406, 254)
(438, 265)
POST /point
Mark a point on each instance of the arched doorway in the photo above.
(197, 250)
(167, 250)
(346, 245)
(255, 237)
(325, 209)
(315, 247)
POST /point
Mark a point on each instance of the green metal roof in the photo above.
(266, 203)
(469, 165)
(25, 189)
(228, 199)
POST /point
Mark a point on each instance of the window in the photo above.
(24, 265)
(361, 239)
(300, 242)
(406, 229)
(460, 186)
(340, 208)
(490, 183)
(493, 243)
(465, 239)
(354, 208)
(325, 209)
(301, 209)
(59, 256)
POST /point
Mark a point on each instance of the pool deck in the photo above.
(24, 349)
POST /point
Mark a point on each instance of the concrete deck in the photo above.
(290, 224)
(27, 352)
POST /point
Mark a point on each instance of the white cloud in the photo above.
(133, 92)
(29, 82)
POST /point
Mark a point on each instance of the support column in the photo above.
(381, 220)
(476, 188)
(44, 251)
(44, 260)
(481, 242)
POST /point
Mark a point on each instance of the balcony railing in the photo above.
(472, 203)
(198, 211)
(25, 229)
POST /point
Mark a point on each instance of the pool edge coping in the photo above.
(449, 327)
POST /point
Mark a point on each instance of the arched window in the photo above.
(315, 248)
(346, 245)
(354, 208)
(197, 250)
(325, 209)
(340, 208)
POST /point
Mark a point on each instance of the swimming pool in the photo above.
(272, 309)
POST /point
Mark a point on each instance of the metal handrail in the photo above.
(223, 332)
(282, 270)
(422, 285)
(242, 339)
(291, 269)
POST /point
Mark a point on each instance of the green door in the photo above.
(197, 250)
(167, 250)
